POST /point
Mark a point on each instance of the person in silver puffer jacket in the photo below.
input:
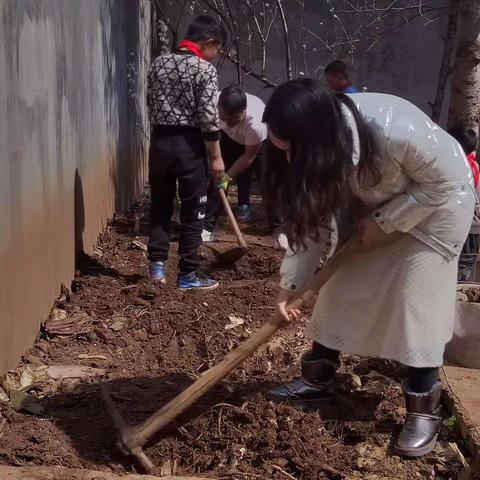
(372, 169)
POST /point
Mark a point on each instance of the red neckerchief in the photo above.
(191, 47)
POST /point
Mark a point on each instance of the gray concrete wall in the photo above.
(72, 78)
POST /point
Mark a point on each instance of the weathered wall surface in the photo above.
(71, 145)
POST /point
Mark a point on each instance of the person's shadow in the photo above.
(78, 215)
(84, 418)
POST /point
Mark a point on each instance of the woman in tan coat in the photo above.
(333, 156)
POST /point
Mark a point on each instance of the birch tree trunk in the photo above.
(465, 91)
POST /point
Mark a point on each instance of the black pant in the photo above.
(231, 152)
(468, 258)
(420, 380)
(177, 154)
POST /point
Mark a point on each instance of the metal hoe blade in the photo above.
(230, 256)
(125, 431)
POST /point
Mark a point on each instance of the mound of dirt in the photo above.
(473, 294)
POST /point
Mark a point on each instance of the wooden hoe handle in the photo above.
(231, 217)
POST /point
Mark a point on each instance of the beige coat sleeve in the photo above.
(298, 267)
(435, 165)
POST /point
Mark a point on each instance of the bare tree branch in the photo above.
(287, 44)
(264, 45)
(235, 39)
(250, 72)
(340, 27)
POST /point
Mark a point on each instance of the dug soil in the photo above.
(154, 341)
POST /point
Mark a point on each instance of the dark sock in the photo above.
(319, 351)
(421, 380)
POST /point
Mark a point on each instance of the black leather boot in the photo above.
(420, 430)
(315, 384)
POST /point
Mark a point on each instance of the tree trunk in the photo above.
(465, 91)
(447, 58)
(61, 473)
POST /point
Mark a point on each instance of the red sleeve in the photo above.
(475, 169)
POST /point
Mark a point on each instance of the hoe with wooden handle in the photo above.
(233, 254)
(131, 439)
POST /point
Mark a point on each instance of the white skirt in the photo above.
(396, 302)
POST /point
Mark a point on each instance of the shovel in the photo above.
(131, 439)
(234, 254)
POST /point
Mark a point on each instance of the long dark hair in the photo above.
(312, 186)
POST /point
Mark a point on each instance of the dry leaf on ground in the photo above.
(31, 374)
(85, 356)
(234, 322)
(58, 325)
(139, 244)
(57, 372)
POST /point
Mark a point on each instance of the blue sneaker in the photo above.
(156, 271)
(193, 281)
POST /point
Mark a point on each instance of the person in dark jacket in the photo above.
(182, 101)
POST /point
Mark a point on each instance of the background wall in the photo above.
(72, 151)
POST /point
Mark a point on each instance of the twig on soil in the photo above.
(183, 431)
(220, 423)
(3, 421)
(257, 244)
(223, 404)
(199, 316)
(172, 336)
(207, 346)
(243, 474)
(13, 459)
(201, 366)
(329, 469)
(324, 467)
(283, 472)
(112, 354)
(211, 408)
(117, 396)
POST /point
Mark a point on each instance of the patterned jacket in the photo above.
(183, 91)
